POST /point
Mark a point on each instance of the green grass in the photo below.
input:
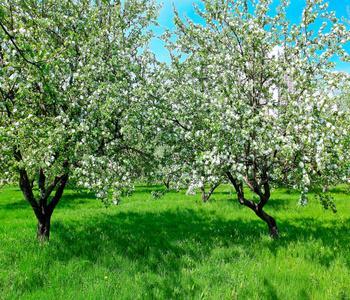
(175, 247)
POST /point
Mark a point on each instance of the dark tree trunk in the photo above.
(43, 230)
(271, 222)
(256, 207)
(167, 184)
(42, 210)
(205, 196)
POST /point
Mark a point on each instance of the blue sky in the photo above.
(186, 6)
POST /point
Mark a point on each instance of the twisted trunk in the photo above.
(271, 222)
(256, 207)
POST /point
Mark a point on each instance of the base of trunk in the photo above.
(43, 230)
(271, 222)
(274, 232)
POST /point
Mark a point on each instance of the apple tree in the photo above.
(250, 95)
(74, 80)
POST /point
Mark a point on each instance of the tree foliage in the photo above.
(231, 106)
(74, 79)
(249, 97)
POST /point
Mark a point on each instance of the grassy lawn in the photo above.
(175, 247)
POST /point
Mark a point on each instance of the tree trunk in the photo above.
(324, 189)
(188, 191)
(167, 184)
(256, 207)
(271, 222)
(42, 210)
(204, 196)
(43, 231)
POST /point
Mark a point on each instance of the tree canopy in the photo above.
(248, 97)
(252, 96)
(74, 79)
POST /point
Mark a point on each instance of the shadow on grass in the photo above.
(140, 236)
(15, 205)
(279, 204)
(74, 198)
(271, 291)
(273, 205)
(326, 240)
(159, 240)
(168, 241)
(70, 198)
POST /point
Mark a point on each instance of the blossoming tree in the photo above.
(73, 82)
(227, 100)
(177, 169)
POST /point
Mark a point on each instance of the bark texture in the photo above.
(43, 230)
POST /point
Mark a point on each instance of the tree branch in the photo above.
(58, 194)
(19, 50)
(25, 186)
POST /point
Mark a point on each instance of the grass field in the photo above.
(175, 247)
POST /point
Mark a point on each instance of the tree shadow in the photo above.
(279, 204)
(156, 239)
(75, 197)
(15, 205)
(336, 189)
(70, 198)
(328, 241)
(139, 236)
(270, 291)
(275, 204)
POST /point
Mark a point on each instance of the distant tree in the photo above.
(178, 169)
(73, 94)
(219, 100)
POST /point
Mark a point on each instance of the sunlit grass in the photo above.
(175, 247)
